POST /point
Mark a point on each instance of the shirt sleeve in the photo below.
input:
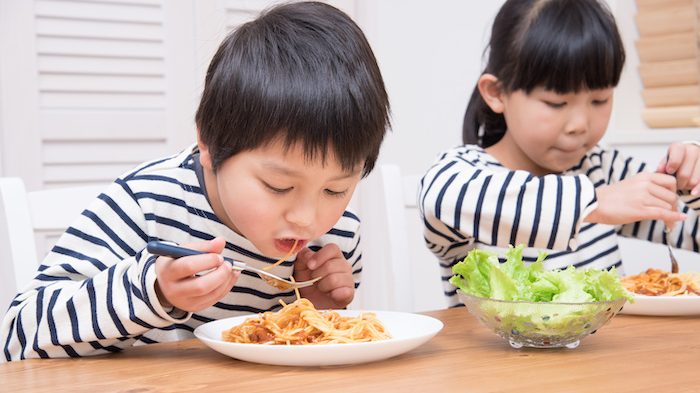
(94, 292)
(352, 246)
(462, 203)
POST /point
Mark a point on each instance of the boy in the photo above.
(292, 115)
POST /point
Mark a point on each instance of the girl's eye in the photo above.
(338, 194)
(277, 190)
(600, 102)
(555, 105)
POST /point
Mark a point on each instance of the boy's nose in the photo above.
(302, 214)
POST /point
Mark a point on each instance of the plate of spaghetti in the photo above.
(658, 292)
(300, 335)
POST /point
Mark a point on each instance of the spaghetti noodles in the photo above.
(299, 323)
(284, 258)
(655, 282)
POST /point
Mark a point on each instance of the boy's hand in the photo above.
(644, 196)
(683, 162)
(337, 287)
(177, 285)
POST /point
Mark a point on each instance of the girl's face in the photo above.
(273, 197)
(549, 132)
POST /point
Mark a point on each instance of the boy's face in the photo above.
(273, 197)
(550, 132)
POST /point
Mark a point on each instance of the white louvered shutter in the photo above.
(111, 84)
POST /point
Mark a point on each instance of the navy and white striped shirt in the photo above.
(94, 292)
(469, 200)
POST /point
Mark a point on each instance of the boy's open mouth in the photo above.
(287, 245)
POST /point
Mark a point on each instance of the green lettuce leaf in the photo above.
(480, 274)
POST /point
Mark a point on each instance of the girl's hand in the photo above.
(683, 162)
(644, 196)
(337, 287)
(178, 286)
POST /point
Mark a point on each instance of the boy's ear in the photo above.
(490, 89)
(204, 156)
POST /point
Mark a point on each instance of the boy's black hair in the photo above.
(303, 72)
(560, 45)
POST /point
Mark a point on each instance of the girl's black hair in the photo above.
(303, 72)
(560, 45)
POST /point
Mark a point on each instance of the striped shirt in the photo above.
(469, 200)
(94, 292)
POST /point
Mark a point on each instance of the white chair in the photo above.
(26, 215)
(399, 273)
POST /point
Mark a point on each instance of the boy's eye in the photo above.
(555, 105)
(277, 190)
(335, 193)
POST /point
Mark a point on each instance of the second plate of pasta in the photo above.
(407, 331)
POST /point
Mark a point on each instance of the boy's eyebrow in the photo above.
(290, 172)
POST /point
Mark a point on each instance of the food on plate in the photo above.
(299, 323)
(656, 282)
(574, 297)
(480, 274)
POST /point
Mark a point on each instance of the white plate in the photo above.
(407, 330)
(663, 305)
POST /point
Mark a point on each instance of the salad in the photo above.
(535, 306)
(480, 274)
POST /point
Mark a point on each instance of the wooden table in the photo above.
(630, 354)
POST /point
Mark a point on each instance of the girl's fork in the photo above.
(674, 262)
(170, 250)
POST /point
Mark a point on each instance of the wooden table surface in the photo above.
(630, 354)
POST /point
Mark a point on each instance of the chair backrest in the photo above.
(399, 273)
(26, 217)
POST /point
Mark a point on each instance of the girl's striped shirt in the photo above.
(94, 292)
(468, 199)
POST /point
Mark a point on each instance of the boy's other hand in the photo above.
(644, 196)
(177, 285)
(337, 287)
(683, 162)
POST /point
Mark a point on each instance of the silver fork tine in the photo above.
(262, 273)
(674, 262)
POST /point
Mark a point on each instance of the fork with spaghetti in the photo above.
(174, 251)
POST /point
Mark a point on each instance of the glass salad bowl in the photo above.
(541, 324)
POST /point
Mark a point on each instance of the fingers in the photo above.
(214, 294)
(661, 168)
(688, 173)
(662, 197)
(180, 268)
(303, 257)
(337, 287)
(683, 162)
(326, 253)
(670, 218)
(181, 288)
(675, 156)
(215, 245)
(186, 267)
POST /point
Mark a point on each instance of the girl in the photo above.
(531, 170)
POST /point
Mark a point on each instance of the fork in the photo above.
(170, 250)
(674, 262)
